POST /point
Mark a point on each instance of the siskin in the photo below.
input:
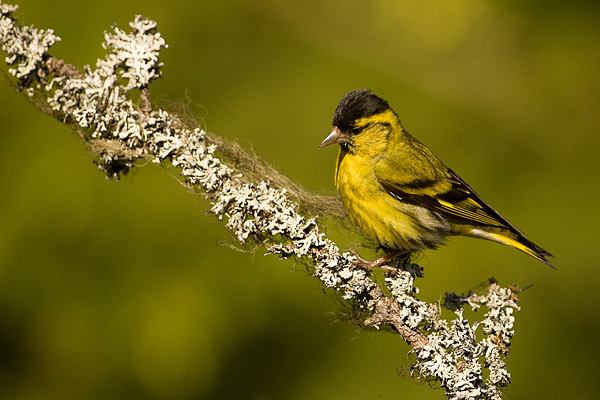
(399, 193)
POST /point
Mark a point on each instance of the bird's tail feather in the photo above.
(519, 242)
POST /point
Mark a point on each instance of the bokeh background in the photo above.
(121, 289)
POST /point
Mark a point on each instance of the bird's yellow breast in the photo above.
(392, 223)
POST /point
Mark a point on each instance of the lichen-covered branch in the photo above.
(258, 204)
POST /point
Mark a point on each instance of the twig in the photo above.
(274, 212)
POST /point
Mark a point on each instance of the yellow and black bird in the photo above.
(399, 193)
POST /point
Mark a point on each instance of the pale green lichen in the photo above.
(25, 47)
(97, 102)
(453, 354)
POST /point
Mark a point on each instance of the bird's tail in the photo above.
(518, 241)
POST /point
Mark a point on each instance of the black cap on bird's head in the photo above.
(354, 105)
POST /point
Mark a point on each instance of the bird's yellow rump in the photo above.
(399, 193)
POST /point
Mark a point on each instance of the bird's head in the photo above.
(360, 116)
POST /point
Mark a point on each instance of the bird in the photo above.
(399, 193)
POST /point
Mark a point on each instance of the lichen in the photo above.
(98, 103)
(453, 358)
(26, 47)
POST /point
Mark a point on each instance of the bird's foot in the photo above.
(378, 263)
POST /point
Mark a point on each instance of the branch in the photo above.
(259, 205)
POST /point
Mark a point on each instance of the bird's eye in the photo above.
(355, 131)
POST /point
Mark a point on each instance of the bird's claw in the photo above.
(377, 263)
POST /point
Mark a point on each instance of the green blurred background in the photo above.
(121, 289)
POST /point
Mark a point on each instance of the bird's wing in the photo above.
(422, 179)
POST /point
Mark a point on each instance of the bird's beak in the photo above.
(335, 136)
